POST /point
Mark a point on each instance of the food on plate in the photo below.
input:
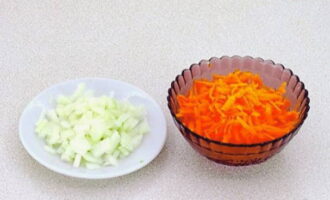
(91, 131)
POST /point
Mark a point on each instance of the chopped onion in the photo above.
(92, 131)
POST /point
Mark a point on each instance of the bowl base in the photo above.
(237, 164)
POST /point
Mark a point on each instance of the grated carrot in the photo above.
(237, 108)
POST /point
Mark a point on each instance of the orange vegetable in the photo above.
(237, 108)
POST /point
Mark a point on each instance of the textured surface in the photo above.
(147, 43)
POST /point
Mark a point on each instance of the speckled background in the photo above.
(147, 43)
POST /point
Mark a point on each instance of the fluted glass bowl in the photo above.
(272, 75)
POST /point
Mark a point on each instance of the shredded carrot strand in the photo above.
(237, 108)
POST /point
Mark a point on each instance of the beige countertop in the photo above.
(147, 43)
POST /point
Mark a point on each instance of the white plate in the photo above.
(150, 147)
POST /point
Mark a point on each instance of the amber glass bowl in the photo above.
(272, 74)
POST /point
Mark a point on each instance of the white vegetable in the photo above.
(90, 158)
(50, 149)
(80, 145)
(111, 160)
(77, 160)
(92, 131)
